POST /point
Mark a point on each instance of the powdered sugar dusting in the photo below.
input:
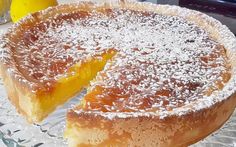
(163, 62)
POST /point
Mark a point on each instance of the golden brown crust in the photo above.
(150, 131)
(15, 91)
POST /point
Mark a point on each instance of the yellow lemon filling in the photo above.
(65, 87)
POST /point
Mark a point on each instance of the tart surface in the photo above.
(165, 72)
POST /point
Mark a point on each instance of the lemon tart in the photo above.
(159, 75)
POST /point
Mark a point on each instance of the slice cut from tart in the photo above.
(45, 63)
(165, 75)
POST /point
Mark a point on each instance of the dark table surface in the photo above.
(223, 10)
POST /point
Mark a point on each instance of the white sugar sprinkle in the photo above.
(155, 53)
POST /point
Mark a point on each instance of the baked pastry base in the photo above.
(87, 129)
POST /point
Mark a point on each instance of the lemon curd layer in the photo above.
(77, 77)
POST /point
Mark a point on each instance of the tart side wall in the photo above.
(19, 95)
(146, 131)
